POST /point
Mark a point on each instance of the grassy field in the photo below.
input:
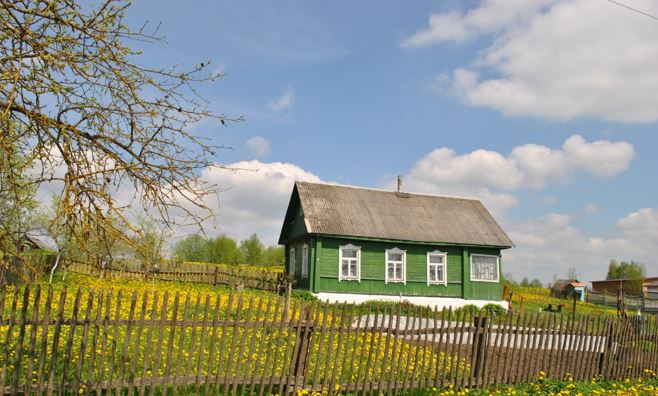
(528, 299)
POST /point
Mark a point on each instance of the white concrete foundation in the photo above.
(432, 302)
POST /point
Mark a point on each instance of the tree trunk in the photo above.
(52, 271)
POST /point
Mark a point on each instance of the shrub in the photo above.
(303, 295)
(468, 308)
(495, 309)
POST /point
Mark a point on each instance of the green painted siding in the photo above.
(482, 290)
(300, 283)
(373, 269)
(298, 227)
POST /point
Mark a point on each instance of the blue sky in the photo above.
(545, 110)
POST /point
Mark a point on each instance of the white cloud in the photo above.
(642, 227)
(258, 146)
(591, 208)
(551, 244)
(556, 59)
(601, 158)
(491, 16)
(283, 102)
(492, 177)
(254, 197)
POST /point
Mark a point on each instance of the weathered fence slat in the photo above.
(158, 344)
(106, 321)
(146, 360)
(243, 338)
(8, 338)
(21, 337)
(55, 348)
(29, 378)
(83, 343)
(193, 338)
(126, 340)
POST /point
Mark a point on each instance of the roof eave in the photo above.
(366, 238)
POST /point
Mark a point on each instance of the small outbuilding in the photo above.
(355, 244)
(565, 288)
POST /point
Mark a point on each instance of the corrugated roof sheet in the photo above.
(351, 211)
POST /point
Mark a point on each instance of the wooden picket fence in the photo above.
(101, 341)
(197, 273)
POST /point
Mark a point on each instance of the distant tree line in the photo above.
(508, 279)
(225, 250)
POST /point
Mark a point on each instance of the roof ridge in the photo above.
(387, 191)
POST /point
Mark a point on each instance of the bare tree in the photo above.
(572, 273)
(90, 118)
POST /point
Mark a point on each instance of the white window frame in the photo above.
(305, 261)
(444, 265)
(497, 269)
(404, 266)
(292, 261)
(340, 263)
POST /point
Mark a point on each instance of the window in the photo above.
(349, 263)
(305, 262)
(484, 268)
(395, 260)
(436, 268)
(291, 263)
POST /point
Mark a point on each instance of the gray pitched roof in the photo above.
(38, 243)
(350, 211)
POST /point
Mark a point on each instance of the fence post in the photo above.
(302, 344)
(607, 348)
(216, 278)
(479, 347)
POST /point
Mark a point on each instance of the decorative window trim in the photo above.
(305, 261)
(497, 269)
(292, 261)
(340, 263)
(404, 266)
(444, 282)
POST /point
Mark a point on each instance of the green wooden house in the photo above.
(347, 241)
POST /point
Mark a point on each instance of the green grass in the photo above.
(645, 386)
(529, 299)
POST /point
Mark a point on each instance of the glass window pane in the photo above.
(485, 268)
(349, 253)
(432, 274)
(439, 272)
(395, 256)
(391, 272)
(398, 272)
(436, 259)
(353, 270)
(344, 268)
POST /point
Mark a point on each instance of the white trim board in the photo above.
(438, 302)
